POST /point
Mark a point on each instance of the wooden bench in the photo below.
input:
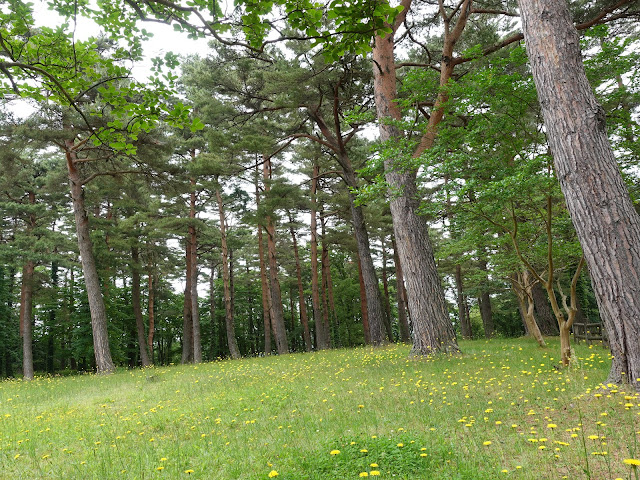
(589, 332)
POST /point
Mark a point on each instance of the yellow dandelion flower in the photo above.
(334, 452)
(552, 425)
(273, 473)
(486, 443)
(634, 462)
(401, 444)
(364, 450)
(374, 465)
(189, 472)
(374, 473)
(363, 474)
(160, 468)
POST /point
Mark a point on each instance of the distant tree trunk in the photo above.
(226, 281)
(26, 320)
(212, 312)
(187, 319)
(276, 312)
(484, 303)
(52, 319)
(606, 222)
(522, 287)
(322, 338)
(266, 294)
(546, 319)
(432, 329)
(137, 306)
(405, 331)
(363, 307)
(151, 311)
(465, 321)
(385, 297)
(325, 271)
(193, 260)
(304, 320)
(104, 363)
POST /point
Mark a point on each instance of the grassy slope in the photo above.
(415, 419)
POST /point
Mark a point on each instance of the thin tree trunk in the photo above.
(304, 319)
(137, 306)
(546, 319)
(26, 319)
(325, 271)
(226, 281)
(484, 303)
(605, 220)
(52, 319)
(151, 311)
(193, 260)
(385, 297)
(432, 328)
(465, 321)
(276, 312)
(405, 331)
(187, 319)
(522, 288)
(321, 336)
(363, 307)
(104, 363)
(266, 294)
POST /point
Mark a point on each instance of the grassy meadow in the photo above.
(501, 410)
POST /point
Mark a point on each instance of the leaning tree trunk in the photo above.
(102, 353)
(226, 281)
(137, 306)
(432, 329)
(607, 225)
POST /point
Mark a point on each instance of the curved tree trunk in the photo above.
(137, 306)
(104, 363)
(597, 198)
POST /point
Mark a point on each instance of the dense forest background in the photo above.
(237, 204)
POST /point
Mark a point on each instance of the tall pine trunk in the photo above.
(432, 329)
(405, 330)
(484, 304)
(102, 353)
(276, 311)
(193, 261)
(26, 319)
(363, 306)
(234, 352)
(304, 319)
(322, 338)
(137, 306)
(385, 298)
(607, 225)
(465, 321)
(266, 294)
(187, 319)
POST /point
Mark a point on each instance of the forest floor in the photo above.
(502, 409)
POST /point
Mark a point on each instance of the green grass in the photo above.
(489, 413)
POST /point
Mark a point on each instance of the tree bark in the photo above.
(432, 329)
(321, 336)
(385, 297)
(304, 319)
(137, 306)
(325, 270)
(102, 353)
(276, 311)
(226, 281)
(607, 225)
